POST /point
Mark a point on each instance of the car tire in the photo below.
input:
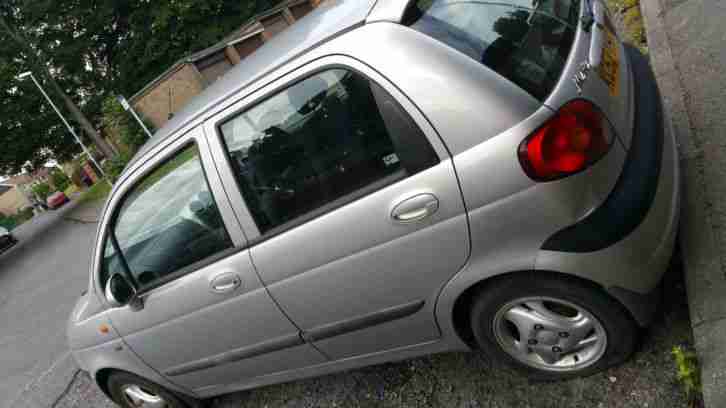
(571, 328)
(130, 391)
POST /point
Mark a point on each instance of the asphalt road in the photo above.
(40, 279)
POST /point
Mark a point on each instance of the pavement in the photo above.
(686, 41)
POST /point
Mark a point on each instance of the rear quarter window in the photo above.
(525, 41)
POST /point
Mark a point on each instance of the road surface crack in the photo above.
(67, 389)
(80, 221)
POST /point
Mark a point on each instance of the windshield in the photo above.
(525, 41)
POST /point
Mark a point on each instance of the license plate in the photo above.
(609, 69)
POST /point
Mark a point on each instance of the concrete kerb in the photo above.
(705, 281)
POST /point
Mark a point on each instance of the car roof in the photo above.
(331, 18)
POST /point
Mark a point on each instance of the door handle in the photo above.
(415, 208)
(226, 282)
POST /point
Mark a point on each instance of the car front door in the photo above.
(353, 209)
(204, 319)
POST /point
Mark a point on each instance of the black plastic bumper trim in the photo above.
(633, 194)
(641, 306)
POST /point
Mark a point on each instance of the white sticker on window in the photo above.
(390, 160)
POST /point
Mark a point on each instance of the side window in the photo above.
(166, 222)
(322, 139)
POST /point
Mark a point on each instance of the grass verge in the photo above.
(96, 192)
(70, 190)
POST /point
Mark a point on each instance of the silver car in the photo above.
(385, 180)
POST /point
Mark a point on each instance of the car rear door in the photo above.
(350, 202)
(205, 321)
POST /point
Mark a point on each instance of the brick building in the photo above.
(170, 91)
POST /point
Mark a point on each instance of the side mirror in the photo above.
(196, 206)
(119, 291)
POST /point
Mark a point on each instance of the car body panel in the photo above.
(388, 10)
(637, 261)
(115, 355)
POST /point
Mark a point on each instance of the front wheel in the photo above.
(552, 327)
(130, 391)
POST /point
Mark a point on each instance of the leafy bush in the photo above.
(114, 166)
(42, 191)
(7, 222)
(60, 180)
(24, 215)
(121, 123)
(634, 29)
(76, 175)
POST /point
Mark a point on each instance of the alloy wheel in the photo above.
(138, 396)
(549, 334)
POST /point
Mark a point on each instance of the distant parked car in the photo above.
(6, 239)
(56, 200)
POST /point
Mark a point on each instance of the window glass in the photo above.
(525, 41)
(168, 221)
(311, 144)
(111, 263)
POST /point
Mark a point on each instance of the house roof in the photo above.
(18, 179)
(250, 28)
(329, 19)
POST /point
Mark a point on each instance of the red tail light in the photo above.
(572, 140)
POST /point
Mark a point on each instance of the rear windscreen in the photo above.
(526, 42)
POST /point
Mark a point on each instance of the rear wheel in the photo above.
(130, 391)
(552, 328)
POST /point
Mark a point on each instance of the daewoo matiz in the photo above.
(385, 180)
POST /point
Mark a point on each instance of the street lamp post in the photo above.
(70, 129)
(128, 108)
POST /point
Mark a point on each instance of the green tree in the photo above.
(88, 50)
(60, 180)
(116, 120)
(42, 191)
(14, 29)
